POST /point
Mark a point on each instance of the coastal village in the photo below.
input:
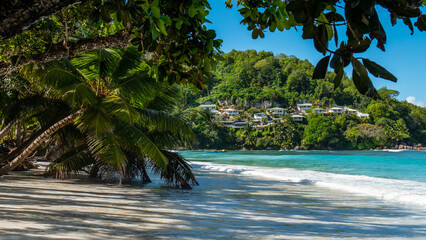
(267, 115)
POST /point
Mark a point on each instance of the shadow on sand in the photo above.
(224, 206)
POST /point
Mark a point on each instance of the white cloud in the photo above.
(412, 99)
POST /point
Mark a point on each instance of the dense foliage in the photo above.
(322, 18)
(247, 80)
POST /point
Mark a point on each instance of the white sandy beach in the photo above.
(225, 206)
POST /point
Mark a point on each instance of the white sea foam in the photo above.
(401, 191)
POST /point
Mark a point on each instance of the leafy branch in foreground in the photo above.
(320, 20)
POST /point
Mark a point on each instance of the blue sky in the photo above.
(404, 56)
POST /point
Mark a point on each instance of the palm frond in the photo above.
(137, 86)
(164, 122)
(135, 140)
(108, 151)
(28, 107)
(72, 161)
(116, 106)
(98, 63)
(130, 59)
(95, 120)
(177, 172)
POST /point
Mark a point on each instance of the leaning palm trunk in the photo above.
(46, 134)
(6, 129)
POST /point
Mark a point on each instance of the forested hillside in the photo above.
(247, 80)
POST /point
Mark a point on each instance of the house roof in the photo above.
(304, 104)
(276, 108)
(297, 116)
(208, 105)
(317, 109)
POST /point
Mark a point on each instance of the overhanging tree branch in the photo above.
(17, 17)
(58, 51)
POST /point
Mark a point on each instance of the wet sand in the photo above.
(225, 206)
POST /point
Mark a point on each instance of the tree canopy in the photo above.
(390, 121)
(175, 36)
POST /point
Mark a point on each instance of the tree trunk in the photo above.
(56, 51)
(54, 128)
(16, 16)
(18, 133)
(6, 129)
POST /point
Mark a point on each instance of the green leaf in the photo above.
(407, 21)
(361, 46)
(334, 17)
(378, 71)
(421, 23)
(255, 34)
(322, 20)
(155, 12)
(179, 24)
(339, 70)
(360, 76)
(162, 27)
(272, 27)
(321, 69)
(166, 20)
(321, 39)
(192, 11)
(361, 79)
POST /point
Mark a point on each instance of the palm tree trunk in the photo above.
(18, 134)
(6, 129)
(54, 128)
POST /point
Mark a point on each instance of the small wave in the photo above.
(393, 150)
(401, 191)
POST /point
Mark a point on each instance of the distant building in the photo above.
(362, 115)
(303, 107)
(320, 111)
(231, 112)
(277, 111)
(209, 107)
(260, 116)
(239, 124)
(227, 123)
(336, 110)
(297, 118)
(350, 110)
(215, 113)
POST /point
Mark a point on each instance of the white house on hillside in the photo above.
(259, 116)
(209, 107)
(277, 111)
(297, 118)
(215, 113)
(303, 107)
(336, 110)
(320, 111)
(362, 115)
(231, 112)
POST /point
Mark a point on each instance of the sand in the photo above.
(223, 207)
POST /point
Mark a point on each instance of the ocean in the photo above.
(397, 176)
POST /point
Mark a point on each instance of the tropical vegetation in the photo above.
(101, 113)
(247, 79)
(91, 84)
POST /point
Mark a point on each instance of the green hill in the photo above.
(250, 80)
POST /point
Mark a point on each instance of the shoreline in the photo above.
(223, 206)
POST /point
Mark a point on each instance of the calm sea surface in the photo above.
(404, 165)
(399, 177)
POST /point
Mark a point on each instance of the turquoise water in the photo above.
(404, 165)
(399, 177)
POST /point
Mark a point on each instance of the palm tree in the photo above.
(121, 113)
